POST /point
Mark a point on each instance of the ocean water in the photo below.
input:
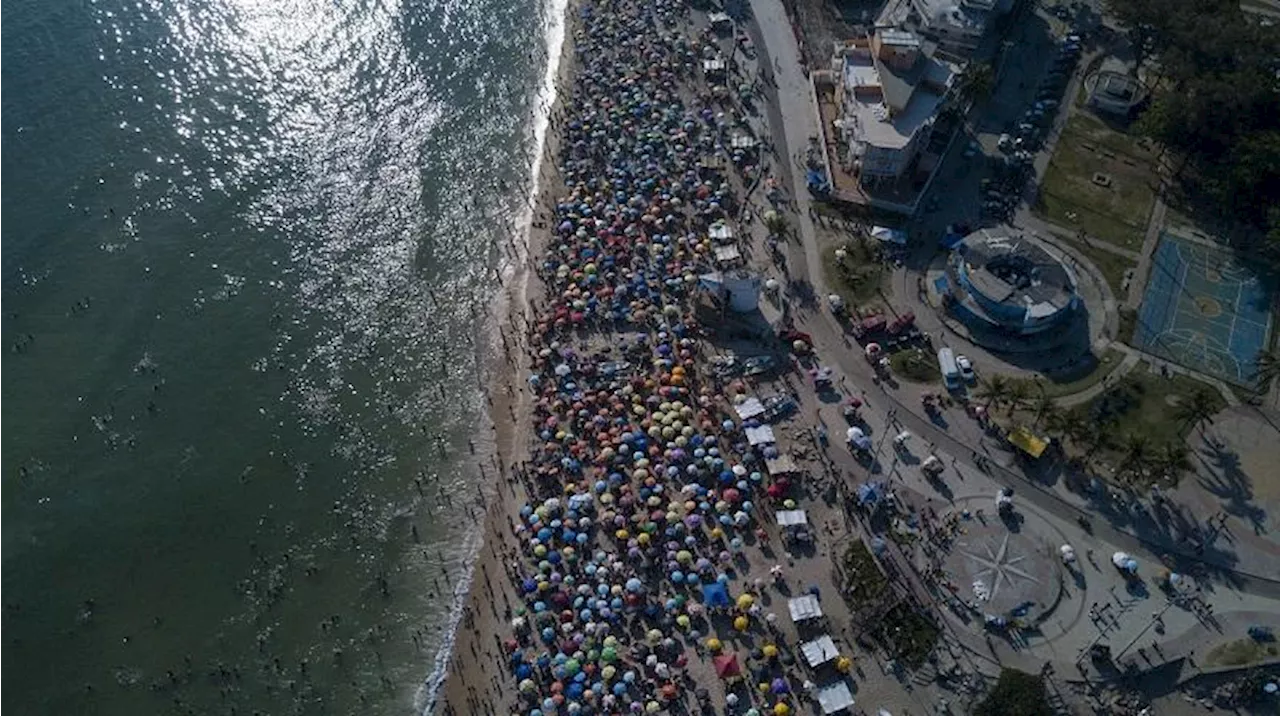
(249, 257)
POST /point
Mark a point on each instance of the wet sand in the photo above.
(476, 680)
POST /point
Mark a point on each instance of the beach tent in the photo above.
(835, 698)
(716, 594)
(869, 493)
(742, 141)
(727, 666)
(720, 232)
(713, 66)
(890, 236)
(788, 518)
(762, 435)
(817, 182)
(804, 607)
(749, 408)
(781, 465)
(820, 650)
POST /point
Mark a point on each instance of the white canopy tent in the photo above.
(804, 607)
(749, 408)
(789, 518)
(727, 254)
(835, 698)
(720, 232)
(781, 465)
(820, 650)
(762, 435)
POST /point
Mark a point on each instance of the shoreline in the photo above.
(472, 624)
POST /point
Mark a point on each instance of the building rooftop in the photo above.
(967, 16)
(1018, 270)
(899, 38)
(1122, 87)
(889, 107)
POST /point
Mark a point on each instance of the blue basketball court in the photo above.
(1204, 310)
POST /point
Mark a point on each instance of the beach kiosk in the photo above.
(781, 465)
(835, 698)
(795, 526)
(804, 608)
(819, 651)
(749, 408)
(762, 435)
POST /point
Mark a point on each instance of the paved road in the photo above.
(792, 107)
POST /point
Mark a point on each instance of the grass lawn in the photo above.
(859, 278)
(1144, 403)
(1087, 374)
(1068, 196)
(915, 365)
(1112, 266)
(1239, 653)
(864, 582)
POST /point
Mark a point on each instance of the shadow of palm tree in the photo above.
(1229, 482)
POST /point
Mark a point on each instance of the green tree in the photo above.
(1045, 409)
(1072, 425)
(1172, 460)
(1097, 436)
(1266, 367)
(1016, 693)
(1215, 105)
(993, 390)
(977, 83)
(1138, 457)
(1018, 396)
(1197, 409)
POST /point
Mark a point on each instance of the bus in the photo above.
(950, 371)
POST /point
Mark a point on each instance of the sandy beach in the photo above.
(614, 328)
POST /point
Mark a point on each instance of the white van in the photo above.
(950, 371)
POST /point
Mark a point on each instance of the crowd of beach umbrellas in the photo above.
(644, 487)
(639, 161)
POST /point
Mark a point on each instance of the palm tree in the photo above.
(993, 390)
(1045, 409)
(1196, 409)
(1097, 435)
(1017, 397)
(1071, 424)
(1138, 456)
(1267, 368)
(977, 82)
(1173, 460)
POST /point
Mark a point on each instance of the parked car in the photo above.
(966, 369)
